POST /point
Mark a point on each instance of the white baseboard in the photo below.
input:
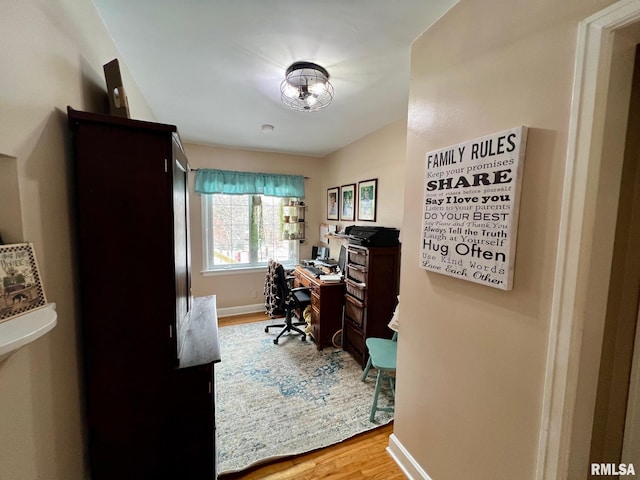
(405, 461)
(230, 311)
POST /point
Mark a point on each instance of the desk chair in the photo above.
(382, 355)
(281, 298)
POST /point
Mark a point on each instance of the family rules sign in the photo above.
(470, 211)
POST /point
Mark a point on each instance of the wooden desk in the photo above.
(327, 300)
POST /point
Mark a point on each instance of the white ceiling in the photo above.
(214, 67)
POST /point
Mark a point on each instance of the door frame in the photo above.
(631, 439)
(577, 315)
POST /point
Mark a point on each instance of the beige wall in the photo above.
(472, 358)
(53, 52)
(243, 289)
(52, 55)
(378, 155)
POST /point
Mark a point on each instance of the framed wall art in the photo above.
(20, 286)
(367, 199)
(348, 202)
(333, 203)
(471, 207)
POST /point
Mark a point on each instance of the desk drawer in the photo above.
(356, 290)
(355, 311)
(315, 300)
(302, 281)
(357, 273)
(353, 340)
(315, 323)
(357, 256)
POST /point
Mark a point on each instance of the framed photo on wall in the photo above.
(367, 196)
(333, 203)
(348, 202)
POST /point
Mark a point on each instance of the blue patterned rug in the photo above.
(279, 400)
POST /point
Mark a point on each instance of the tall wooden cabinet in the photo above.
(372, 283)
(148, 375)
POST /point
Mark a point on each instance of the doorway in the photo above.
(619, 334)
(593, 184)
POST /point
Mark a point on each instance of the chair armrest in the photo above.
(300, 289)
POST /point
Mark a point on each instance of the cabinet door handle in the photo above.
(210, 387)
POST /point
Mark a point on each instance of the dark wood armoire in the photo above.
(149, 348)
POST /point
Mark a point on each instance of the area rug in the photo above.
(279, 400)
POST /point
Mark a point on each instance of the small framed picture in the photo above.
(348, 202)
(333, 203)
(20, 286)
(367, 196)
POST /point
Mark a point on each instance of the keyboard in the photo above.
(316, 272)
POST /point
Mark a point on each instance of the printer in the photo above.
(374, 236)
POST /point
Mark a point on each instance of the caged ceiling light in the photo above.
(306, 87)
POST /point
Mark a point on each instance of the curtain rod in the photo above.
(196, 169)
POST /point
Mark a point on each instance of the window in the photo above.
(243, 231)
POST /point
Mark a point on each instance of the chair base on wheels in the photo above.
(288, 326)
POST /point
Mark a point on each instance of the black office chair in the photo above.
(281, 299)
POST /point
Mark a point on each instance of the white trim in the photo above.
(405, 461)
(242, 270)
(234, 271)
(241, 310)
(593, 57)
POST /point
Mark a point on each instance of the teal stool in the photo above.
(382, 355)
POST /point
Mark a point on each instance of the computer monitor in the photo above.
(322, 254)
(342, 259)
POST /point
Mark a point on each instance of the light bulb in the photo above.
(318, 88)
(290, 91)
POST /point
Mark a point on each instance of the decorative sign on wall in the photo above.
(470, 211)
(20, 285)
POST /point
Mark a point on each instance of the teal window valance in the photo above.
(210, 181)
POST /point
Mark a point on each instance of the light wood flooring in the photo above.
(361, 457)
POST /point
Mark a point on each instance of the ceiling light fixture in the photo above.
(306, 87)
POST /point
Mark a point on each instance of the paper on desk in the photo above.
(331, 278)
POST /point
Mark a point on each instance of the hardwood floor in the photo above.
(240, 319)
(361, 457)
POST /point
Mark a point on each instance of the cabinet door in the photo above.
(126, 252)
(192, 423)
(181, 234)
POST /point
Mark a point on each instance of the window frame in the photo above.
(208, 246)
